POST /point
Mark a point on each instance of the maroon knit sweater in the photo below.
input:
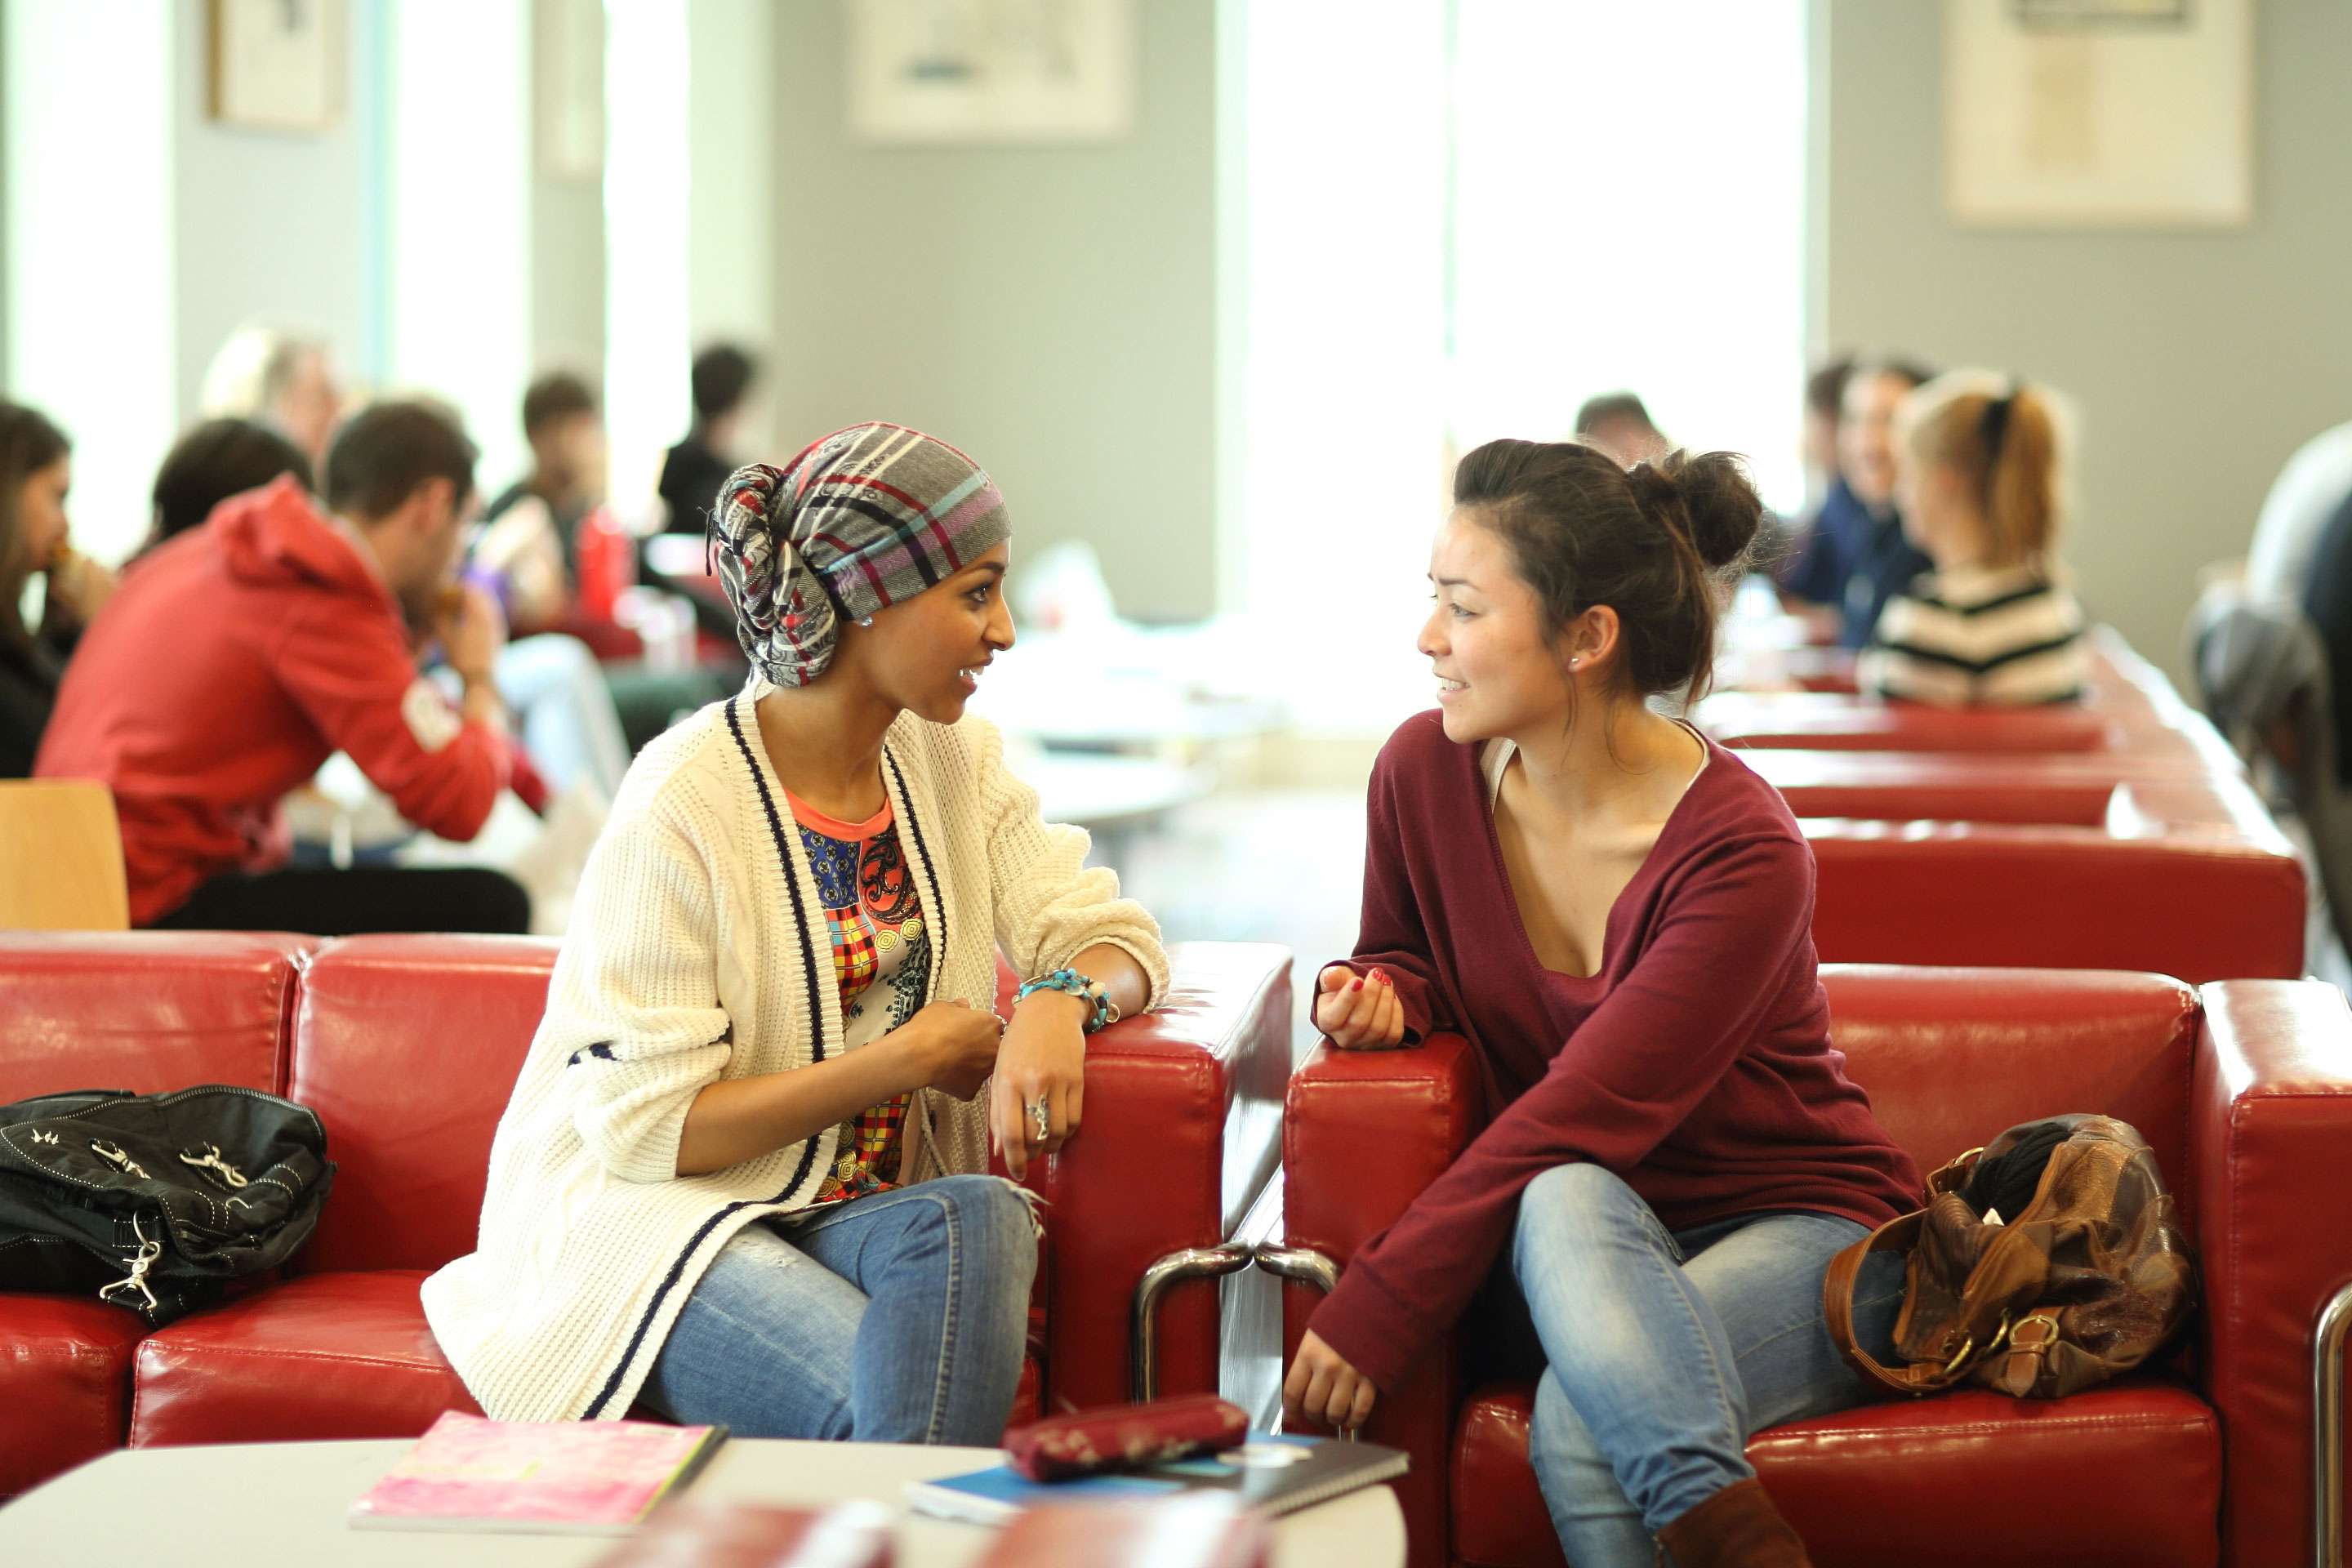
(1697, 1064)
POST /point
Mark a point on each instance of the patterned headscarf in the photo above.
(868, 517)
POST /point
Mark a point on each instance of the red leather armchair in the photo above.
(2244, 1089)
(407, 1048)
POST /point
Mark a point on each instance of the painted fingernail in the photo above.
(1382, 975)
(1359, 986)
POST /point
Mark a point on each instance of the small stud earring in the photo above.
(866, 620)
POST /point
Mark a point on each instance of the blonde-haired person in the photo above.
(1980, 478)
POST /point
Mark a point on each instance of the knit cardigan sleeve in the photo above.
(635, 1000)
(1050, 906)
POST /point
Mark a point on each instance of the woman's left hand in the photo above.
(1323, 1387)
(1043, 1060)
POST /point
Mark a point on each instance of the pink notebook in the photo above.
(596, 1477)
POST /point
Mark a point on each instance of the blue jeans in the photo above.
(555, 688)
(897, 1318)
(1666, 1352)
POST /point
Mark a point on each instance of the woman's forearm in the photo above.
(742, 1119)
(1115, 970)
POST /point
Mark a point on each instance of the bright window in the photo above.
(1464, 217)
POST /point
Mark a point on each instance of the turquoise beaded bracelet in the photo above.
(1071, 982)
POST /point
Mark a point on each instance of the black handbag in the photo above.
(153, 1202)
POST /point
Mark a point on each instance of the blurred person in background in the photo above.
(1824, 398)
(1619, 422)
(1857, 556)
(552, 681)
(694, 469)
(241, 655)
(36, 472)
(2308, 491)
(280, 376)
(530, 532)
(1980, 464)
(217, 459)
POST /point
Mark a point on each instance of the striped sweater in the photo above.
(1978, 636)
(698, 950)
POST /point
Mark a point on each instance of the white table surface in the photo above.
(282, 1505)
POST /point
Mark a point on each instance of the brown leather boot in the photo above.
(1736, 1527)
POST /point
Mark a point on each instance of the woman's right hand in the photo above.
(952, 1046)
(1358, 1014)
(77, 586)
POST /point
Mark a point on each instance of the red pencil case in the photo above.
(1125, 1436)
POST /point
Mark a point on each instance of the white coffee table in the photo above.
(282, 1505)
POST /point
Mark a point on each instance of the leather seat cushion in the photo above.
(65, 1383)
(2130, 1472)
(319, 1356)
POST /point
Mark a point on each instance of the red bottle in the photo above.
(608, 562)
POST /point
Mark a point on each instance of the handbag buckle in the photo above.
(141, 1261)
(211, 1160)
(114, 1156)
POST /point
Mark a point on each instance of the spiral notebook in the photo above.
(1277, 1474)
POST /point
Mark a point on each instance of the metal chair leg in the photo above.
(1303, 1264)
(1308, 1266)
(1191, 1263)
(2327, 1429)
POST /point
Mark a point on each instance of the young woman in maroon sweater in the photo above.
(1616, 913)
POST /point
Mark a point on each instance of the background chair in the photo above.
(60, 857)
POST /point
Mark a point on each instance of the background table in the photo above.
(282, 1505)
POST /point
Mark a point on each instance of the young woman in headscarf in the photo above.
(743, 1177)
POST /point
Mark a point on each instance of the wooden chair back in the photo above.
(60, 857)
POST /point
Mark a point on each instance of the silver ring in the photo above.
(1036, 1110)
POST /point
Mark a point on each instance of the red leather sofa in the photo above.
(2059, 861)
(407, 1048)
(2244, 1089)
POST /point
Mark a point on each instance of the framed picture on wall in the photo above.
(276, 65)
(991, 71)
(2099, 114)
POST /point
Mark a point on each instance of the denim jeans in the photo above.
(555, 688)
(897, 1318)
(1666, 1352)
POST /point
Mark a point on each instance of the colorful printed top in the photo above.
(881, 964)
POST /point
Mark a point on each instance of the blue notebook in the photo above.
(1277, 1474)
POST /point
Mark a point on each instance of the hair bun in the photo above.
(1709, 496)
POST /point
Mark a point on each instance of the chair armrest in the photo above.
(1364, 1133)
(2271, 1149)
(1182, 1129)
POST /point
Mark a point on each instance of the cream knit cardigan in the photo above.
(699, 951)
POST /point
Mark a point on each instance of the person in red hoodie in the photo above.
(238, 656)
(1617, 914)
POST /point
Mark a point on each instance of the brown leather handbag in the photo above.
(2092, 1277)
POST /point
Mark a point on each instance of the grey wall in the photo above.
(2201, 361)
(1051, 310)
(269, 224)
